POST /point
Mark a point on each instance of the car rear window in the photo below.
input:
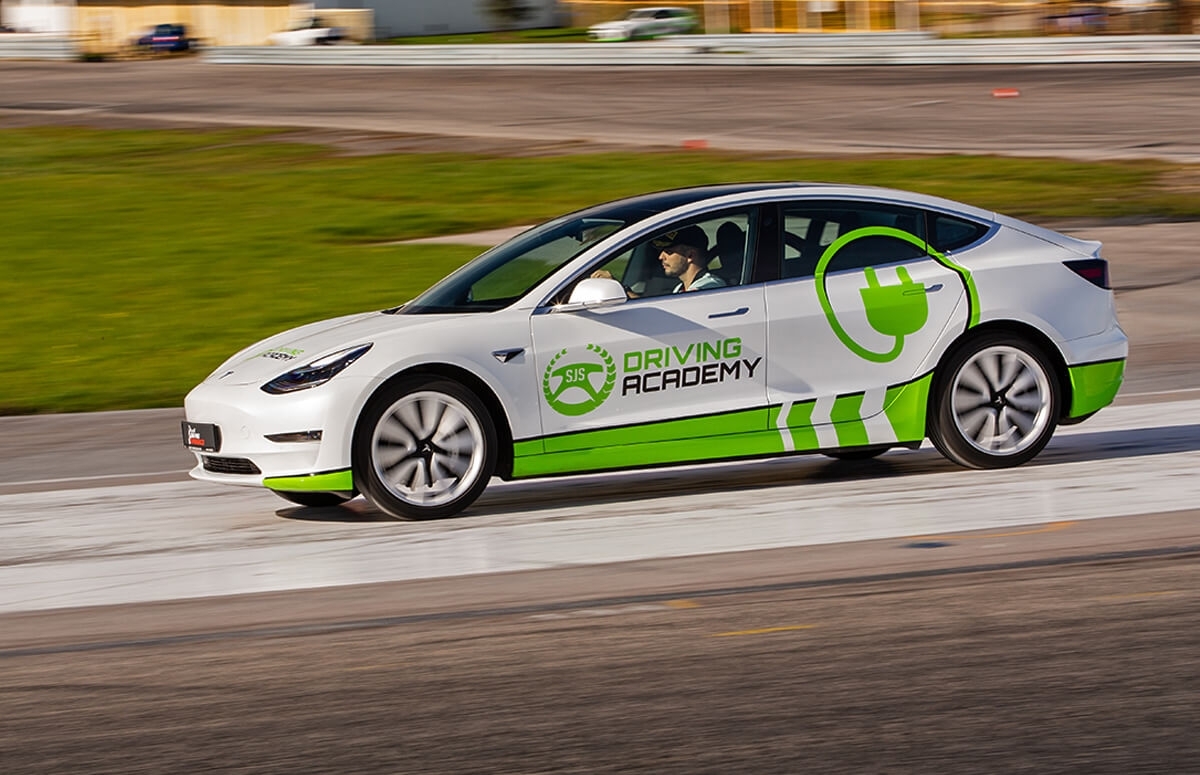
(948, 232)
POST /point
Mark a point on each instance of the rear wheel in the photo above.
(424, 448)
(995, 403)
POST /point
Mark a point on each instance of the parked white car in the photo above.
(310, 32)
(646, 23)
(715, 323)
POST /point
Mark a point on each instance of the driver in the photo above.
(684, 255)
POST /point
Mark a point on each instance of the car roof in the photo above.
(644, 205)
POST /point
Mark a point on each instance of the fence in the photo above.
(945, 17)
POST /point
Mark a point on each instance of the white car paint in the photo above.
(646, 23)
(310, 32)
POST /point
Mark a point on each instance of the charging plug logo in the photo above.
(896, 311)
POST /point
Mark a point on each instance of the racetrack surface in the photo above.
(1085, 667)
(1080, 111)
(899, 616)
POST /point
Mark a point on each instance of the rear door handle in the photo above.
(733, 313)
(933, 288)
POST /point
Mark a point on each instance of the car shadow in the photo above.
(586, 490)
(1110, 445)
(354, 511)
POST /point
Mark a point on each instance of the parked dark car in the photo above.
(166, 39)
(1077, 19)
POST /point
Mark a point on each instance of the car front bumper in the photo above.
(264, 437)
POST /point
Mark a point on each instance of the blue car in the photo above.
(166, 39)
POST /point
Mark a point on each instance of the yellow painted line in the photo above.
(764, 630)
(1052, 527)
(682, 604)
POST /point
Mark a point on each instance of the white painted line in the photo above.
(190, 539)
(97, 477)
(1159, 393)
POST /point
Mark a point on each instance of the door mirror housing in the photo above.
(593, 293)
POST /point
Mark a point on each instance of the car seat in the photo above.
(730, 249)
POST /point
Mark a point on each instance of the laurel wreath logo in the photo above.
(557, 380)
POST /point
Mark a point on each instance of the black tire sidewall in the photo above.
(943, 430)
(367, 481)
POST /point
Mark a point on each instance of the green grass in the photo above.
(136, 261)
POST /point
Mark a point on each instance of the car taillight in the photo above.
(1094, 270)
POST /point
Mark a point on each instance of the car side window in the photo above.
(666, 263)
(810, 228)
(951, 233)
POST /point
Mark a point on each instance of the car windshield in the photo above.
(509, 271)
(640, 15)
(512, 269)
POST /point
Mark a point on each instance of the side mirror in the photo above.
(592, 293)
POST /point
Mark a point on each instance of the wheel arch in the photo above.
(476, 385)
(1012, 328)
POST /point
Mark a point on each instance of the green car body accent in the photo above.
(893, 310)
(331, 481)
(847, 420)
(905, 406)
(1094, 386)
(746, 433)
(798, 424)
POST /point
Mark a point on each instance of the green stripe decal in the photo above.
(333, 481)
(739, 434)
(905, 407)
(734, 423)
(799, 422)
(1094, 386)
(847, 420)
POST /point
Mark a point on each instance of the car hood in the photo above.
(279, 354)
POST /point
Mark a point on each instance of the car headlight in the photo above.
(315, 373)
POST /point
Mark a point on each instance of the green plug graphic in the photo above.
(895, 310)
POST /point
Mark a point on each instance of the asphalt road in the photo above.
(747, 663)
(1055, 648)
(1095, 111)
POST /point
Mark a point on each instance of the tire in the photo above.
(424, 449)
(317, 499)
(995, 402)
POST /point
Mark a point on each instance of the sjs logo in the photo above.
(579, 386)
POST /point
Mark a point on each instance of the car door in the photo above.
(859, 305)
(665, 371)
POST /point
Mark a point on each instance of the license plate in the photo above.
(201, 436)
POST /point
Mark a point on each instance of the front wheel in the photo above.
(424, 448)
(995, 403)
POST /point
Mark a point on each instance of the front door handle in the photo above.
(730, 314)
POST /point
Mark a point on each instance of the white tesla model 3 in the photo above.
(713, 323)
